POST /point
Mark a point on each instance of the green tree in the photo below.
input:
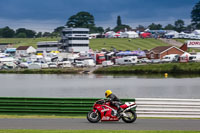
(190, 28)
(119, 22)
(179, 25)
(39, 34)
(169, 27)
(28, 33)
(0, 32)
(7, 32)
(96, 30)
(122, 27)
(195, 15)
(140, 28)
(21, 35)
(46, 34)
(81, 20)
(59, 29)
(155, 26)
(107, 29)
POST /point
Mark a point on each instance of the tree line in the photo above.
(7, 32)
(86, 20)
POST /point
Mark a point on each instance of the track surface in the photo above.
(83, 124)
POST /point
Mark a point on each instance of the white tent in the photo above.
(129, 34)
(196, 32)
(110, 34)
(172, 34)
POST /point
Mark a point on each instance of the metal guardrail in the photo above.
(146, 107)
(48, 106)
(177, 108)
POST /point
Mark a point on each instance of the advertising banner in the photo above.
(193, 44)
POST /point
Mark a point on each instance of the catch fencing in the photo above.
(175, 108)
(146, 107)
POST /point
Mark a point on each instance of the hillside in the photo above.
(125, 44)
(26, 41)
(95, 44)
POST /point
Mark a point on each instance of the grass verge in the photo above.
(44, 71)
(172, 68)
(92, 131)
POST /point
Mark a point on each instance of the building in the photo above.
(75, 39)
(3, 46)
(48, 46)
(25, 50)
(159, 52)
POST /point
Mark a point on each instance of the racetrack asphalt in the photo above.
(83, 124)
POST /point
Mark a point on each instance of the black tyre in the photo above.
(93, 117)
(131, 116)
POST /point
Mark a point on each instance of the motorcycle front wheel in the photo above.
(130, 117)
(93, 117)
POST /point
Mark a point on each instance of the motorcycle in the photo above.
(104, 111)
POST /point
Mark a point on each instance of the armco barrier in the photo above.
(156, 107)
(49, 106)
(146, 107)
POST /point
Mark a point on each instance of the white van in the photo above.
(64, 64)
(127, 60)
(170, 58)
(194, 58)
(89, 63)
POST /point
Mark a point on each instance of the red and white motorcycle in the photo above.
(104, 111)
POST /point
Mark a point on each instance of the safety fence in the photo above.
(146, 107)
(179, 108)
(48, 106)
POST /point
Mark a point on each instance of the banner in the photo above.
(193, 44)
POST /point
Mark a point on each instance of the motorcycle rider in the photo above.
(114, 100)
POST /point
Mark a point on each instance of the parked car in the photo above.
(52, 65)
(34, 66)
(107, 63)
(144, 60)
(156, 61)
(79, 64)
(64, 64)
(126, 60)
(44, 65)
(170, 58)
(23, 65)
(194, 58)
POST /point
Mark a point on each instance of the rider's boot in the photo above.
(120, 111)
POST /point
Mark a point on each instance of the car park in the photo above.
(107, 63)
(154, 61)
(144, 60)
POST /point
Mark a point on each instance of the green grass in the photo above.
(181, 40)
(95, 44)
(189, 49)
(45, 71)
(26, 41)
(90, 131)
(38, 116)
(125, 44)
(173, 68)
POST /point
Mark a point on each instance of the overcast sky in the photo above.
(46, 15)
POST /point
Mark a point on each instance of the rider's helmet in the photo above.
(107, 93)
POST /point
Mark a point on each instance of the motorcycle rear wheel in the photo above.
(93, 117)
(132, 116)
